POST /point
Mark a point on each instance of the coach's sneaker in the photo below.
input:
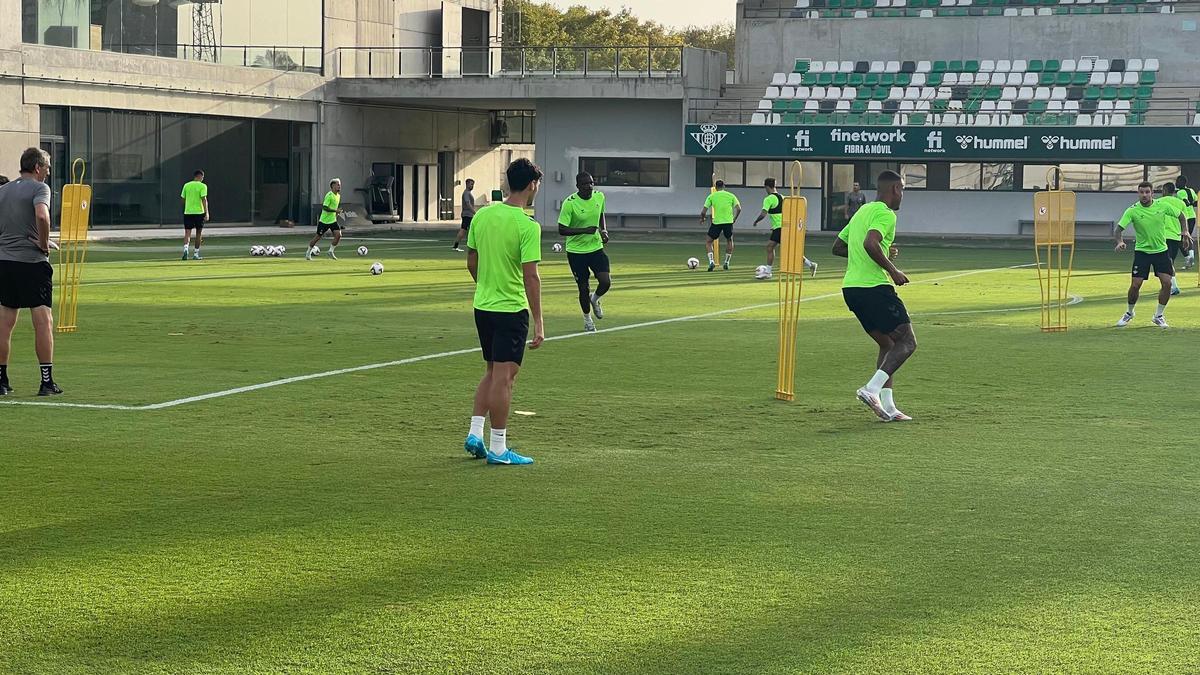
(49, 389)
(898, 416)
(872, 401)
(185, 255)
(5, 389)
(1125, 320)
(711, 266)
(725, 265)
(509, 457)
(597, 310)
(589, 326)
(1160, 321)
(475, 447)
(196, 256)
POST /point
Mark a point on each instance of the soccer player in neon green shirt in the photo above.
(581, 221)
(195, 212)
(1149, 220)
(866, 243)
(1175, 229)
(331, 208)
(1188, 196)
(725, 209)
(504, 246)
(773, 209)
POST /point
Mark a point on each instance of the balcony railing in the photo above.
(285, 58)
(456, 62)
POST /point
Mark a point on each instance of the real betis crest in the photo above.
(707, 137)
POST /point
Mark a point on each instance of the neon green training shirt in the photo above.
(1188, 195)
(1149, 227)
(721, 203)
(1172, 207)
(579, 212)
(861, 270)
(332, 201)
(773, 205)
(193, 195)
(505, 238)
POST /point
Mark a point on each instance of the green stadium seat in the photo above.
(1038, 107)
(1148, 77)
(903, 79)
(1060, 10)
(954, 67)
(1047, 79)
(779, 106)
(834, 4)
(797, 105)
(1053, 65)
(1126, 93)
(807, 118)
(856, 80)
(791, 118)
(994, 11)
(808, 79)
(1033, 119)
(972, 106)
(1092, 93)
(1063, 79)
(853, 119)
(939, 67)
(993, 93)
(825, 80)
(975, 93)
(1079, 80)
(934, 79)
(858, 107)
(1108, 93)
(821, 118)
(864, 93)
(917, 119)
(881, 94)
(1036, 66)
(830, 14)
(887, 80)
(840, 79)
(1136, 119)
(871, 80)
(802, 66)
(1144, 93)
(971, 66)
(1140, 105)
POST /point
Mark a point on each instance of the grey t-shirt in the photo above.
(18, 226)
(854, 202)
(468, 204)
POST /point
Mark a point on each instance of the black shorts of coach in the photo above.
(1160, 262)
(466, 224)
(582, 264)
(1174, 246)
(25, 285)
(502, 335)
(717, 231)
(193, 221)
(777, 235)
(878, 308)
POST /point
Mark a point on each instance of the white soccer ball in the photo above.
(315, 251)
(362, 250)
(693, 263)
(557, 248)
(762, 272)
(282, 249)
(377, 269)
(273, 251)
(257, 251)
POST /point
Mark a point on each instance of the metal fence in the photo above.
(553, 61)
(273, 57)
(846, 9)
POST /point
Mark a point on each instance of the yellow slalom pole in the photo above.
(73, 240)
(791, 283)
(1054, 236)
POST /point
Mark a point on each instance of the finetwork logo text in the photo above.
(867, 142)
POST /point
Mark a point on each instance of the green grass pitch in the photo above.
(1039, 516)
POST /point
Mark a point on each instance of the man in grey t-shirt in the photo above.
(26, 276)
(854, 201)
(468, 212)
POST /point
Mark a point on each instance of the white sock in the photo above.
(499, 444)
(879, 379)
(1131, 309)
(197, 250)
(1160, 310)
(332, 247)
(185, 248)
(710, 258)
(587, 317)
(477, 426)
(1174, 284)
(889, 404)
(728, 257)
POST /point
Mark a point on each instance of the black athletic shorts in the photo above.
(466, 223)
(716, 231)
(193, 221)
(502, 335)
(877, 308)
(777, 235)
(1192, 226)
(1161, 262)
(322, 228)
(1174, 246)
(24, 284)
(582, 263)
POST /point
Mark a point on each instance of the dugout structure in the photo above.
(72, 245)
(1054, 249)
(791, 282)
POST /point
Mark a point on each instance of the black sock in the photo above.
(4, 373)
(47, 373)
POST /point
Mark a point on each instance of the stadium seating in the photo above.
(862, 9)
(1084, 92)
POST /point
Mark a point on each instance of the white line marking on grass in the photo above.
(458, 352)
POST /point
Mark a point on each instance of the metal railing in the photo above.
(553, 61)
(1160, 111)
(273, 57)
(833, 9)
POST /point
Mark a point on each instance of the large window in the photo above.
(997, 176)
(916, 176)
(1162, 174)
(278, 34)
(752, 172)
(513, 127)
(731, 173)
(1121, 177)
(628, 171)
(965, 176)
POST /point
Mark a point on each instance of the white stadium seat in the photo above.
(892, 67)
(928, 93)
(1086, 65)
(1028, 11)
(1101, 65)
(1016, 121)
(987, 66)
(927, 14)
(778, 80)
(1129, 78)
(1030, 80)
(831, 66)
(950, 79)
(899, 3)
(945, 93)
(1005, 107)
(919, 79)
(1134, 65)
(877, 66)
(1045, 11)
(787, 92)
(850, 93)
(1070, 107)
(1025, 94)
(955, 105)
(1097, 79)
(983, 120)
(794, 79)
(1054, 106)
(1011, 11)
(1068, 66)
(998, 79)
(833, 93)
(907, 106)
(987, 107)
(846, 67)
(764, 104)
(758, 118)
(812, 105)
(1196, 120)
(1122, 106)
(816, 67)
(1003, 66)
(1117, 120)
(895, 93)
(950, 120)
(1151, 65)
(923, 106)
(924, 66)
(772, 92)
(1019, 66)
(981, 79)
(1083, 120)
(860, 14)
(883, 4)
(803, 92)
(875, 106)
(912, 93)
(1058, 93)
(802, 4)
(1113, 79)
(1105, 106)
(1015, 79)
(818, 93)
(1041, 94)
(1009, 94)
(843, 106)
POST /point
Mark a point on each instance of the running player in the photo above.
(725, 209)
(1149, 221)
(503, 250)
(773, 208)
(331, 208)
(468, 212)
(1176, 214)
(1188, 196)
(582, 222)
(868, 291)
(195, 212)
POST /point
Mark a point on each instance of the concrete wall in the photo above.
(767, 46)
(993, 213)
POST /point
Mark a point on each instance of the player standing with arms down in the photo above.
(504, 247)
(725, 209)
(195, 212)
(581, 221)
(773, 208)
(866, 243)
(468, 212)
(1188, 196)
(1149, 219)
(331, 208)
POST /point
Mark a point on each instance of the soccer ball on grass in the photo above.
(693, 263)
(377, 269)
(557, 248)
(762, 272)
(362, 250)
